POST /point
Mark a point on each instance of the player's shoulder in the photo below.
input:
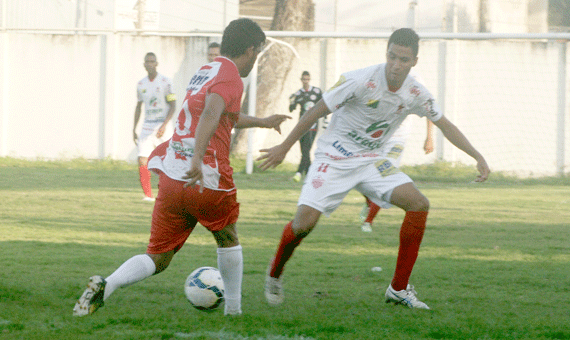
(317, 90)
(414, 87)
(163, 78)
(143, 81)
(364, 76)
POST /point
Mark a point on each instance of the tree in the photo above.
(275, 64)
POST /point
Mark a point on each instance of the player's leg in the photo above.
(385, 185)
(169, 231)
(416, 206)
(305, 142)
(322, 193)
(230, 264)
(371, 211)
(294, 232)
(145, 145)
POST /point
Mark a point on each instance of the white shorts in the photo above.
(325, 187)
(148, 141)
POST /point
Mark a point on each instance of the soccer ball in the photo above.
(204, 288)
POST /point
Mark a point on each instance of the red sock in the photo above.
(144, 175)
(285, 250)
(411, 235)
(373, 210)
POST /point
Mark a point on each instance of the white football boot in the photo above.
(405, 297)
(92, 297)
(273, 290)
(366, 227)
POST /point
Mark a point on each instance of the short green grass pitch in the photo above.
(494, 264)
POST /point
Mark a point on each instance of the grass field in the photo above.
(494, 263)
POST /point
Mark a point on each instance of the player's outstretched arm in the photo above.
(271, 122)
(207, 125)
(274, 156)
(456, 137)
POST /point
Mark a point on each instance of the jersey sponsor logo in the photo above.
(365, 142)
(395, 151)
(179, 149)
(370, 84)
(373, 103)
(386, 168)
(378, 129)
(153, 102)
(199, 79)
(342, 150)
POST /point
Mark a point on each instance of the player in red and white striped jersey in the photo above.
(195, 183)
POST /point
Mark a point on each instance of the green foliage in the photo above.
(493, 264)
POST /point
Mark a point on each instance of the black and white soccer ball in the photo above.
(204, 288)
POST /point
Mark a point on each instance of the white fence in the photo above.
(73, 95)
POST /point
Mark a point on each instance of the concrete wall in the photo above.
(66, 96)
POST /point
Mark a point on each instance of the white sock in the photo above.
(135, 269)
(230, 264)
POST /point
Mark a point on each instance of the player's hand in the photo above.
(194, 175)
(483, 169)
(428, 145)
(274, 122)
(272, 157)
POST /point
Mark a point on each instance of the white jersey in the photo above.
(366, 114)
(155, 94)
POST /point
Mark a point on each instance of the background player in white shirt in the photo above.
(155, 92)
(368, 105)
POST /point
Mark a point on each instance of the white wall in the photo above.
(505, 16)
(75, 95)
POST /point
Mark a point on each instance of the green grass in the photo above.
(494, 263)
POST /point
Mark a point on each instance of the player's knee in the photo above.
(161, 261)
(421, 203)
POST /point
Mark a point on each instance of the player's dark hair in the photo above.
(213, 45)
(150, 54)
(305, 73)
(239, 35)
(405, 37)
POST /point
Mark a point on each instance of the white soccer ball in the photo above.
(204, 288)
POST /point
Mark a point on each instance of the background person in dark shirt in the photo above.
(306, 97)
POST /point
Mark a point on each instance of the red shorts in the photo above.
(177, 210)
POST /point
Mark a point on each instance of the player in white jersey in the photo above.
(368, 105)
(155, 92)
